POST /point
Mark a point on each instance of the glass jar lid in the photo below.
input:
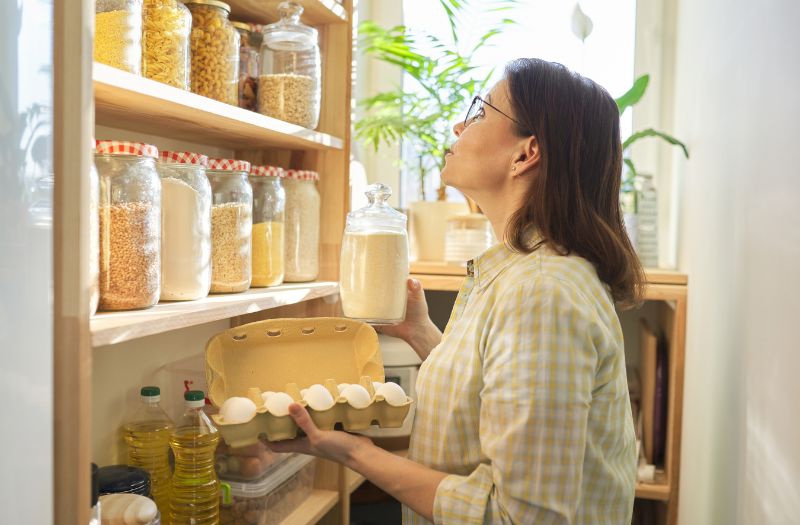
(183, 157)
(288, 33)
(233, 165)
(266, 171)
(122, 147)
(302, 175)
(377, 215)
(213, 3)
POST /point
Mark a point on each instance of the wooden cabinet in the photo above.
(99, 360)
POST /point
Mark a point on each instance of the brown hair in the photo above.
(574, 202)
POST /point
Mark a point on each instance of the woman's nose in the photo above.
(458, 128)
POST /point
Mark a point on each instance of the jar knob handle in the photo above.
(378, 192)
(290, 11)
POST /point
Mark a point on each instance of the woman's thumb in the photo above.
(414, 286)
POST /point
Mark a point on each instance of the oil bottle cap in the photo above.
(150, 394)
(194, 398)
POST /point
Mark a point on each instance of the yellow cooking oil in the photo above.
(194, 497)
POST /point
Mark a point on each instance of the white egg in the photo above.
(318, 397)
(265, 395)
(237, 410)
(342, 386)
(376, 385)
(357, 396)
(392, 393)
(303, 393)
(278, 404)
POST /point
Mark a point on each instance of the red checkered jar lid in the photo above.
(184, 157)
(302, 175)
(228, 165)
(121, 147)
(267, 171)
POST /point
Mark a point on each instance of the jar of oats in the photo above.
(269, 202)
(214, 51)
(289, 87)
(301, 226)
(118, 34)
(248, 67)
(231, 225)
(130, 224)
(165, 42)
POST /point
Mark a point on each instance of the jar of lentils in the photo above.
(269, 201)
(302, 225)
(165, 42)
(231, 225)
(118, 34)
(130, 224)
(214, 51)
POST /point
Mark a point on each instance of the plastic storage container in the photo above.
(374, 261)
(118, 34)
(130, 224)
(248, 67)
(247, 463)
(123, 479)
(214, 51)
(269, 203)
(302, 225)
(467, 236)
(231, 225)
(128, 509)
(289, 87)
(647, 220)
(165, 42)
(268, 501)
(185, 226)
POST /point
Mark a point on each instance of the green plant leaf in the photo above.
(650, 132)
(634, 94)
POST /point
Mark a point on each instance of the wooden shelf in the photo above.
(115, 327)
(123, 100)
(652, 491)
(313, 508)
(315, 12)
(352, 480)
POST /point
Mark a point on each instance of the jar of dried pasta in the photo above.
(248, 67)
(269, 202)
(214, 51)
(118, 34)
(301, 225)
(165, 42)
(231, 225)
(130, 224)
(289, 87)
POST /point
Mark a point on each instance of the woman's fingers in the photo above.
(300, 445)
(303, 420)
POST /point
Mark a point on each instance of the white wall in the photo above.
(737, 104)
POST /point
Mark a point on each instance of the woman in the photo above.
(523, 413)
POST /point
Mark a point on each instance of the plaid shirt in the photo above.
(525, 401)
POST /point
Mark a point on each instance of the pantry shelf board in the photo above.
(313, 508)
(352, 479)
(315, 12)
(658, 492)
(124, 100)
(109, 328)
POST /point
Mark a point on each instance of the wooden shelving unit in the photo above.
(313, 508)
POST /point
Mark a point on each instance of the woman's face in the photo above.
(482, 157)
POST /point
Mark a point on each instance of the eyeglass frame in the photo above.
(475, 99)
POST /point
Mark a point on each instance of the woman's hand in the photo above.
(329, 444)
(417, 329)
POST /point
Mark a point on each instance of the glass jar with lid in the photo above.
(185, 226)
(94, 239)
(167, 25)
(301, 226)
(130, 224)
(231, 225)
(269, 202)
(214, 51)
(467, 235)
(289, 87)
(118, 34)
(248, 67)
(374, 264)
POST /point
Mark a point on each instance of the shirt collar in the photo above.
(488, 265)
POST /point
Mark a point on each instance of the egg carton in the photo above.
(289, 355)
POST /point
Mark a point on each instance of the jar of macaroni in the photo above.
(269, 202)
(165, 42)
(118, 34)
(302, 225)
(214, 51)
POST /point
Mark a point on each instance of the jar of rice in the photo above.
(301, 226)
(118, 34)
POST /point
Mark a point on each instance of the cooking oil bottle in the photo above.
(147, 435)
(194, 499)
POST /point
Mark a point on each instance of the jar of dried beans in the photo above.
(185, 226)
(289, 86)
(214, 51)
(130, 224)
(269, 201)
(231, 225)
(165, 42)
(248, 67)
(302, 225)
(118, 34)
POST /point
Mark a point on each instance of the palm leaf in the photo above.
(634, 94)
(650, 132)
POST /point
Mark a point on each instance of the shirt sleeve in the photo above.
(539, 361)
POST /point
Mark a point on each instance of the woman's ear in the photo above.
(527, 157)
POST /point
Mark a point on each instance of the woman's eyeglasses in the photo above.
(476, 109)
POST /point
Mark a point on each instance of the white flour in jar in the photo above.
(185, 242)
(374, 272)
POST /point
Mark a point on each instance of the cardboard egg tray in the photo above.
(288, 355)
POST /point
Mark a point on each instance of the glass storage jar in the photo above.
(231, 225)
(130, 224)
(214, 51)
(467, 235)
(165, 42)
(289, 87)
(374, 263)
(301, 226)
(118, 34)
(94, 239)
(185, 226)
(269, 202)
(248, 67)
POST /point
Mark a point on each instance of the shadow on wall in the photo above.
(440, 304)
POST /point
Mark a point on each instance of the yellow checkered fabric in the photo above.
(525, 401)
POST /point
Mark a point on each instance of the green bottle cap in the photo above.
(150, 391)
(194, 395)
